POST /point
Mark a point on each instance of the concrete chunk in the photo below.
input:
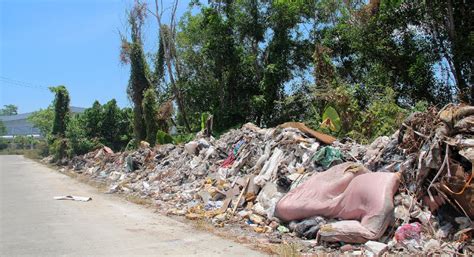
(376, 247)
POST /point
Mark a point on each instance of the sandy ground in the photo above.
(33, 224)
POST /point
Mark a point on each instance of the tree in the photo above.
(150, 115)
(168, 41)
(21, 142)
(219, 88)
(159, 73)
(61, 110)
(57, 141)
(93, 118)
(421, 49)
(9, 109)
(43, 120)
(450, 25)
(105, 124)
(252, 61)
(77, 140)
(115, 130)
(282, 55)
(238, 56)
(139, 72)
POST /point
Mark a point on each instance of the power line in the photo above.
(14, 82)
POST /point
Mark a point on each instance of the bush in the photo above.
(61, 110)
(107, 124)
(131, 145)
(42, 148)
(21, 142)
(77, 141)
(183, 138)
(58, 147)
(150, 115)
(382, 118)
(3, 144)
(163, 138)
(365, 119)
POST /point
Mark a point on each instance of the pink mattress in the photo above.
(350, 192)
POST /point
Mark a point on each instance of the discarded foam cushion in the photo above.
(348, 191)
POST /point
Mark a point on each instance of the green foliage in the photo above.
(9, 109)
(58, 147)
(229, 64)
(183, 138)
(3, 129)
(115, 126)
(42, 148)
(150, 115)
(449, 28)
(93, 118)
(77, 140)
(137, 85)
(43, 120)
(331, 119)
(21, 142)
(204, 117)
(99, 125)
(69, 135)
(139, 71)
(3, 144)
(382, 117)
(131, 145)
(27, 146)
(163, 138)
(389, 46)
(296, 107)
(61, 110)
(159, 73)
(372, 63)
(420, 106)
(57, 141)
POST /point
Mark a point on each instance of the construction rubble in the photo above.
(410, 193)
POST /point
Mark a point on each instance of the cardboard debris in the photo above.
(327, 139)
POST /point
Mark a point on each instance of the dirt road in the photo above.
(33, 224)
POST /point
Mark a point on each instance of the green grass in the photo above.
(29, 153)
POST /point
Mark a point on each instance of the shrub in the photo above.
(150, 114)
(61, 110)
(3, 144)
(58, 147)
(78, 142)
(183, 138)
(163, 138)
(131, 145)
(364, 119)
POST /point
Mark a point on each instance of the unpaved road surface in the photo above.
(33, 224)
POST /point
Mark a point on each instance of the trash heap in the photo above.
(410, 192)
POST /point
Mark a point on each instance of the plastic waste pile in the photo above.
(411, 192)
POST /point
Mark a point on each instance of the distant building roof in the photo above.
(17, 125)
(23, 116)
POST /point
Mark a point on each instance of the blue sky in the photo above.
(65, 42)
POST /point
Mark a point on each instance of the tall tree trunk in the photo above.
(460, 82)
(168, 56)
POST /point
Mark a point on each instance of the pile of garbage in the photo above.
(411, 192)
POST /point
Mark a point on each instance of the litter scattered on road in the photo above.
(73, 198)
